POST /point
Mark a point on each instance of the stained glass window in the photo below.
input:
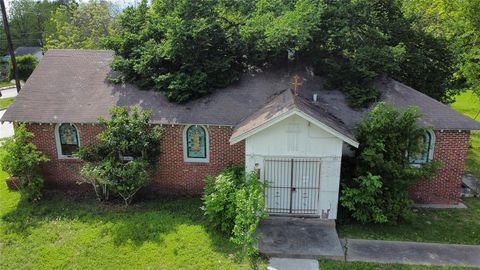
(425, 155)
(196, 140)
(68, 137)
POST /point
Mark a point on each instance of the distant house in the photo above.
(296, 142)
(20, 51)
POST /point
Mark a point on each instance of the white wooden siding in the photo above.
(296, 137)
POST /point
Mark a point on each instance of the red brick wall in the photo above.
(171, 175)
(451, 149)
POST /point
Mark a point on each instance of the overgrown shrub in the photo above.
(127, 149)
(382, 173)
(361, 200)
(21, 158)
(219, 198)
(250, 209)
(25, 66)
(234, 203)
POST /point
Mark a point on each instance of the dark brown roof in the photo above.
(71, 86)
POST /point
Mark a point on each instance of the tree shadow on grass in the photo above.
(146, 221)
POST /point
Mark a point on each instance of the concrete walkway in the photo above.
(305, 238)
(6, 128)
(292, 264)
(411, 253)
(9, 92)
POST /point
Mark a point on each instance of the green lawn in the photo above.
(5, 102)
(469, 104)
(3, 84)
(335, 265)
(455, 226)
(65, 232)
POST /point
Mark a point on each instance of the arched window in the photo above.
(67, 140)
(428, 141)
(195, 144)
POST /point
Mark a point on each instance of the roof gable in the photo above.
(283, 106)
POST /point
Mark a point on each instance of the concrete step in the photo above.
(472, 184)
(302, 238)
(292, 264)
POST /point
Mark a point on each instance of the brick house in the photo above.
(294, 139)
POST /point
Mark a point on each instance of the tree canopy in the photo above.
(189, 48)
(60, 23)
(81, 26)
(28, 20)
(458, 22)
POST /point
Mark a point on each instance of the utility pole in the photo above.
(10, 46)
(39, 25)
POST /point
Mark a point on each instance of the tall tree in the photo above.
(459, 23)
(28, 20)
(176, 46)
(187, 48)
(82, 25)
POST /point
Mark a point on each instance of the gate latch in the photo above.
(294, 189)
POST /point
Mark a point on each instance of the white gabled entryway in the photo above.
(296, 149)
(300, 162)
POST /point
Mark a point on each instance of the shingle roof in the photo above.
(283, 103)
(71, 86)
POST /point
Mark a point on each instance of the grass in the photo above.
(170, 233)
(336, 265)
(5, 102)
(4, 84)
(64, 232)
(469, 104)
(454, 226)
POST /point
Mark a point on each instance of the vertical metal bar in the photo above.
(291, 184)
(285, 184)
(299, 179)
(284, 175)
(265, 190)
(310, 184)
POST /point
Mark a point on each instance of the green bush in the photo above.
(25, 66)
(382, 173)
(128, 178)
(120, 162)
(20, 158)
(250, 209)
(219, 197)
(234, 203)
(361, 200)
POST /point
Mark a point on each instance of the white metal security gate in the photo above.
(293, 185)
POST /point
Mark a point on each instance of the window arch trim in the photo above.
(58, 141)
(186, 156)
(430, 148)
